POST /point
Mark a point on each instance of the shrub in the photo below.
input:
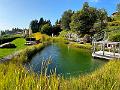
(63, 33)
(82, 46)
(7, 39)
(87, 39)
(26, 54)
(115, 38)
(8, 45)
(46, 29)
(114, 23)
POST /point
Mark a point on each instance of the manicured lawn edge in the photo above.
(26, 54)
(82, 46)
(72, 44)
(19, 43)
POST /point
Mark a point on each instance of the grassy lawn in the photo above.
(84, 46)
(19, 45)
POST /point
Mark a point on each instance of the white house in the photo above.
(27, 32)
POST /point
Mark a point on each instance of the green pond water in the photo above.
(68, 61)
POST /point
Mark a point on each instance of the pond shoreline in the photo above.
(106, 77)
(66, 59)
(25, 54)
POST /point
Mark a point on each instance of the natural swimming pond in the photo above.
(67, 61)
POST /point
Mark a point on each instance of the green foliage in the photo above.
(58, 23)
(116, 17)
(101, 22)
(46, 29)
(75, 24)
(19, 43)
(41, 23)
(56, 30)
(86, 39)
(36, 25)
(15, 76)
(45, 38)
(8, 38)
(63, 33)
(66, 19)
(27, 53)
(89, 20)
(114, 23)
(60, 40)
(115, 38)
(82, 46)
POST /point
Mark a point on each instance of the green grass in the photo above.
(83, 46)
(26, 54)
(18, 42)
(60, 40)
(117, 17)
(15, 77)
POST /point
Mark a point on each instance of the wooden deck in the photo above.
(107, 55)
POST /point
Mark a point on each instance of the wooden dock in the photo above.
(106, 50)
(106, 55)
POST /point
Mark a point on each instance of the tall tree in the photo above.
(34, 26)
(57, 22)
(102, 18)
(46, 29)
(75, 24)
(41, 22)
(84, 19)
(66, 19)
(56, 30)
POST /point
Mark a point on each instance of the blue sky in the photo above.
(19, 13)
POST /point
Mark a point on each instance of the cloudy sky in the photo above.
(19, 13)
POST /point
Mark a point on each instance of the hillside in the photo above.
(113, 28)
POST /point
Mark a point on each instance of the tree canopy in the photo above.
(88, 20)
(66, 19)
(83, 20)
(36, 26)
(46, 29)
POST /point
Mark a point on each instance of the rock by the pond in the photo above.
(8, 45)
